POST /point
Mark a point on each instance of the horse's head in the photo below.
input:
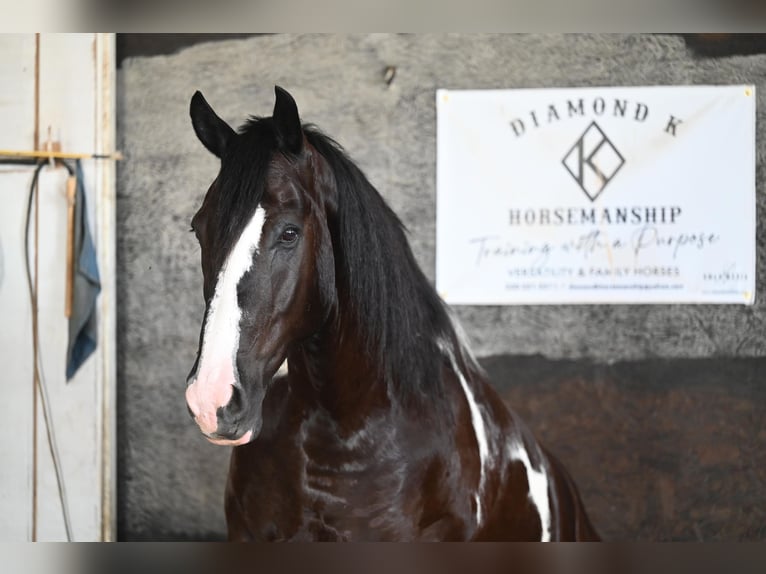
(267, 263)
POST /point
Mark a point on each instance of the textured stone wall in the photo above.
(171, 480)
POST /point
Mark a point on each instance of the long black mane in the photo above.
(398, 314)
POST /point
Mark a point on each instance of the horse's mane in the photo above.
(401, 317)
(402, 321)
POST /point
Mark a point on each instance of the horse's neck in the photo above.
(346, 434)
(333, 372)
(324, 439)
(343, 375)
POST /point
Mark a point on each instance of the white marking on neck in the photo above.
(220, 340)
(462, 338)
(478, 427)
(538, 488)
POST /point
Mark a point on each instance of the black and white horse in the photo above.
(383, 427)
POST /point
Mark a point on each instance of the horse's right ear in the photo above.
(212, 131)
(287, 123)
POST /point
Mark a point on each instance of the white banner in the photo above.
(596, 195)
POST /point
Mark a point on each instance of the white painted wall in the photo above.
(76, 95)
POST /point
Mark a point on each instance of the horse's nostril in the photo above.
(237, 401)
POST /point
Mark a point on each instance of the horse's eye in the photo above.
(289, 235)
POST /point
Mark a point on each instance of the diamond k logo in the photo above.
(593, 161)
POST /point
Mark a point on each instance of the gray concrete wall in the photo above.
(171, 480)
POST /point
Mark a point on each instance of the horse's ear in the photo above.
(212, 131)
(287, 123)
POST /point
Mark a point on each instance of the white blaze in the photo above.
(216, 373)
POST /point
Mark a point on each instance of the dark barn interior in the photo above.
(660, 449)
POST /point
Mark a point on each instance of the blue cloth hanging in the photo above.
(83, 322)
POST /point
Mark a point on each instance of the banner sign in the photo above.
(596, 195)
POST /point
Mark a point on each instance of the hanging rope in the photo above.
(38, 373)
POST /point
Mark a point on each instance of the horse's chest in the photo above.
(319, 484)
(352, 488)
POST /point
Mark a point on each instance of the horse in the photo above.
(354, 406)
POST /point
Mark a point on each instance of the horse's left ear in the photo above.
(287, 123)
(214, 133)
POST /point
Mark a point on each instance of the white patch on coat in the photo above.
(216, 374)
(538, 488)
(479, 428)
(462, 338)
